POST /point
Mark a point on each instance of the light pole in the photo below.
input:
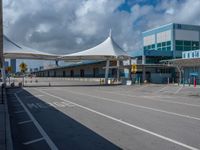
(1, 44)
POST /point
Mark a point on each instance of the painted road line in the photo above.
(40, 129)
(123, 122)
(23, 122)
(33, 141)
(20, 111)
(160, 90)
(178, 90)
(153, 99)
(134, 105)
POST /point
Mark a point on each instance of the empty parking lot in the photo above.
(78, 116)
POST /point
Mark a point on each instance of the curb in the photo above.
(9, 143)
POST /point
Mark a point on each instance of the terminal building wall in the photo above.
(83, 70)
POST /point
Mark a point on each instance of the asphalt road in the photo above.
(92, 117)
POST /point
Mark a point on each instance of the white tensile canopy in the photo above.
(16, 51)
(107, 50)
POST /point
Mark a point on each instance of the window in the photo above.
(195, 48)
(195, 44)
(163, 43)
(153, 46)
(159, 49)
(164, 49)
(178, 42)
(192, 54)
(188, 55)
(168, 42)
(184, 56)
(179, 48)
(197, 54)
(187, 48)
(159, 45)
(187, 43)
(169, 48)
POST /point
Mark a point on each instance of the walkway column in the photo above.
(118, 72)
(143, 73)
(107, 71)
(129, 70)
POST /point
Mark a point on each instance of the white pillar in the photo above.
(118, 73)
(107, 71)
(129, 71)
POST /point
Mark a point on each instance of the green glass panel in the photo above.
(164, 49)
(163, 43)
(159, 45)
(195, 48)
(178, 42)
(169, 48)
(194, 44)
(179, 48)
(153, 46)
(168, 42)
(159, 49)
(187, 48)
(149, 47)
(187, 43)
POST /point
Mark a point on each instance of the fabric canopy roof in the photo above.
(107, 50)
(192, 62)
(16, 51)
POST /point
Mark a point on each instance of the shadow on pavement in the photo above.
(63, 130)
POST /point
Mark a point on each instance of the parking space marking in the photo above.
(135, 105)
(33, 141)
(123, 122)
(161, 89)
(152, 98)
(23, 122)
(40, 129)
(178, 90)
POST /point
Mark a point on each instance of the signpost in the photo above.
(134, 68)
(23, 68)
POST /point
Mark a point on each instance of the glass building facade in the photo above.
(170, 40)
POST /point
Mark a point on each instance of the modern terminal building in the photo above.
(166, 42)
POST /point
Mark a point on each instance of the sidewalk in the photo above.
(5, 133)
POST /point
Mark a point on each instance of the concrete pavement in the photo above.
(105, 117)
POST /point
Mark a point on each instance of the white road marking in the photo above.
(125, 123)
(20, 111)
(178, 90)
(40, 129)
(161, 89)
(153, 99)
(23, 122)
(33, 141)
(134, 105)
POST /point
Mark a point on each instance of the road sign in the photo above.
(23, 67)
(9, 69)
(134, 68)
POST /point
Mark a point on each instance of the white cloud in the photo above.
(67, 26)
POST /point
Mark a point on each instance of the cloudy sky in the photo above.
(66, 26)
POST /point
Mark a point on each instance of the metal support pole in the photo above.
(118, 73)
(143, 73)
(129, 71)
(107, 71)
